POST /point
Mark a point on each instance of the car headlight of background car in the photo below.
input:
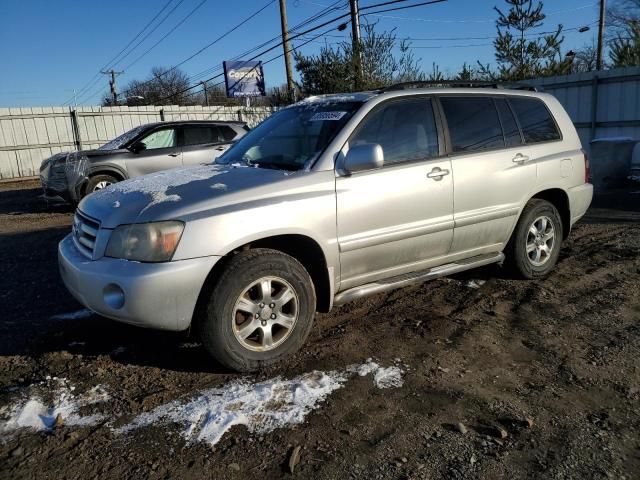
(145, 242)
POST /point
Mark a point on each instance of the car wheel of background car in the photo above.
(261, 310)
(533, 249)
(98, 182)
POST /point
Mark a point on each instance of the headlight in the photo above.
(145, 242)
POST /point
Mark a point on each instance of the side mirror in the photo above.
(138, 147)
(367, 156)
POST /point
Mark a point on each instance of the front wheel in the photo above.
(98, 182)
(534, 247)
(260, 311)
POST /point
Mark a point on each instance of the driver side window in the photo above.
(165, 138)
(405, 129)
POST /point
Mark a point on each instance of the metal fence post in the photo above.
(75, 128)
(240, 115)
(162, 114)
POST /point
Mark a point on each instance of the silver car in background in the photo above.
(329, 200)
(145, 149)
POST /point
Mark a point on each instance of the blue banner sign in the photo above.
(244, 78)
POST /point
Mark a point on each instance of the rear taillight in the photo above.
(587, 172)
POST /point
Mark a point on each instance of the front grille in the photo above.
(85, 230)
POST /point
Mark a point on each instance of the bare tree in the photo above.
(163, 86)
(624, 43)
(585, 59)
(623, 13)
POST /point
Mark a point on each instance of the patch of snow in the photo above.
(116, 204)
(390, 377)
(475, 283)
(219, 186)
(79, 314)
(261, 407)
(34, 412)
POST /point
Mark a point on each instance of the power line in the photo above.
(298, 35)
(265, 62)
(149, 33)
(486, 20)
(198, 52)
(209, 71)
(87, 96)
(114, 63)
(166, 34)
(444, 39)
(106, 65)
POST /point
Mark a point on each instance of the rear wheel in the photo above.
(260, 311)
(534, 247)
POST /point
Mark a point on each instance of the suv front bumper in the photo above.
(154, 295)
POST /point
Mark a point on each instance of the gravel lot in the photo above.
(488, 377)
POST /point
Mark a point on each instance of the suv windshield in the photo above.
(122, 140)
(292, 138)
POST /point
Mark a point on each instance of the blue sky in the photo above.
(51, 47)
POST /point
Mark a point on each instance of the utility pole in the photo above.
(204, 89)
(285, 46)
(355, 42)
(600, 35)
(112, 85)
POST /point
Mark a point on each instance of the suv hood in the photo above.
(174, 194)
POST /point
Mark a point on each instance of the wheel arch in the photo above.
(559, 199)
(301, 247)
(108, 170)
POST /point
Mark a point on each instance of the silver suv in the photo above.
(144, 149)
(326, 201)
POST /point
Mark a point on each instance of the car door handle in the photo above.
(520, 158)
(174, 154)
(437, 173)
(221, 148)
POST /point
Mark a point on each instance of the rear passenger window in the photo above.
(201, 134)
(473, 123)
(535, 120)
(509, 126)
(405, 129)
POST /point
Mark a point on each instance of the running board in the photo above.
(416, 277)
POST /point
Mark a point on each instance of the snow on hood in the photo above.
(157, 195)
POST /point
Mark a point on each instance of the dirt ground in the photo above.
(544, 375)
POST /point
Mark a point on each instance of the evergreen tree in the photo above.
(332, 70)
(520, 56)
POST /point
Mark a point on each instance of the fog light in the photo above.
(113, 296)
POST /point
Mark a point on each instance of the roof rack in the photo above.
(458, 84)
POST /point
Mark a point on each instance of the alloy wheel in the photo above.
(540, 241)
(265, 314)
(101, 185)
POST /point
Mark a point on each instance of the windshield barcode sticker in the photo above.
(323, 116)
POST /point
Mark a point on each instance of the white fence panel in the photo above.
(601, 104)
(29, 135)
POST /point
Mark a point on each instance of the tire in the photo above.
(98, 182)
(230, 330)
(533, 255)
